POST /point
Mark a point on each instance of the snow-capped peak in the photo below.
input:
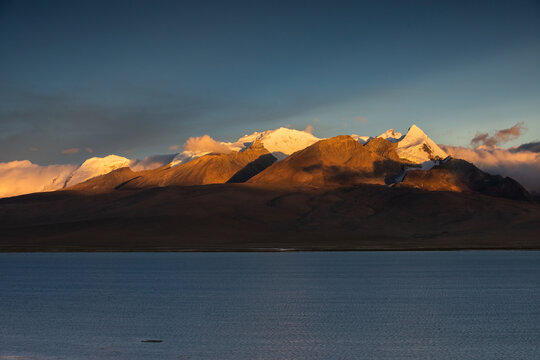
(391, 135)
(418, 148)
(281, 142)
(97, 166)
(361, 139)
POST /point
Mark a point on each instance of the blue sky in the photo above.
(133, 78)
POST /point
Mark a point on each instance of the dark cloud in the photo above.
(152, 162)
(500, 137)
(57, 122)
(532, 146)
(134, 121)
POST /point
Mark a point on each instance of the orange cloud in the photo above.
(23, 177)
(205, 144)
(174, 147)
(70, 151)
(309, 129)
(361, 119)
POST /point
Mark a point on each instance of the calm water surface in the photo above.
(364, 305)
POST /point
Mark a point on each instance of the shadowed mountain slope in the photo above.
(254, 217)
(208, 169)
(460, 175)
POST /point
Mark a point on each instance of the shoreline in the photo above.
(266, 250)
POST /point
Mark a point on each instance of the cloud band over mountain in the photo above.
(522, 165)
(23, 177)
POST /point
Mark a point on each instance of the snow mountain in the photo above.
(280, 142)
(96, 166)
(391, 135)
(413, 151)
(418, 148)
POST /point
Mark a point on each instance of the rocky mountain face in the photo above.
(208, 169)
(340, 160)
(286, 157)
(389, 192)
(462, 176)
(337, 161)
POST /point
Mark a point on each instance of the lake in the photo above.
(291, 305)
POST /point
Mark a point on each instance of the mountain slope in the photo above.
(339, 160)
(207, 169)
(251, 217)
(462, 176)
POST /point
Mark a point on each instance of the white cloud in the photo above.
(23, 177)
(523, 166)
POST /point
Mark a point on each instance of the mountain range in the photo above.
(279, 189)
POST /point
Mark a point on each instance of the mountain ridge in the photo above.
(339, 193)
(341, 160)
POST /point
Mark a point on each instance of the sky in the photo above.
(133, 78)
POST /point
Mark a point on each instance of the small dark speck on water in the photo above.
(422, 305)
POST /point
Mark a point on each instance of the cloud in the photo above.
(23, 177)
(523, 166)
(532, 146)
(361, 119)
(152, 162)
(309, 129)
(174, 147)
(133, 118)
(89, 150)
(70, 151)
(500, 137)
(205, 144)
